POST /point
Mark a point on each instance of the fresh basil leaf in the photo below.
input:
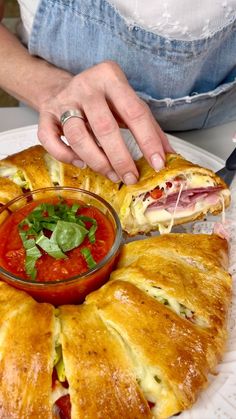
(50, 246)
(48, 226)
(91, 234)
(88, 219)
(75, 208)
(32, 255)
(68, 235)
(80, 222)
(88, 257)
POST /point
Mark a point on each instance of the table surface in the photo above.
(217, 140)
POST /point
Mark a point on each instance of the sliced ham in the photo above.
(188, 198)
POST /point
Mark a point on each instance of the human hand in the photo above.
(103, 95)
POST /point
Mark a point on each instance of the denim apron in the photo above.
(187, 84)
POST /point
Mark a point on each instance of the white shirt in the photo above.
(175, 19)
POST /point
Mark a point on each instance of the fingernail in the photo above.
(79, 163)
(234, 138)
(157, 161)
(129, 178)
(113, 176)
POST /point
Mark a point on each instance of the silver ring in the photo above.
(72, 113)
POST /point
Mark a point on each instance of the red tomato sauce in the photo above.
(12, 252)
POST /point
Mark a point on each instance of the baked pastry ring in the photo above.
(139, 347)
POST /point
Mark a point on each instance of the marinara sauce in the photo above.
(51, 271)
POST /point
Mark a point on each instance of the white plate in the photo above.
(17, 139)
(218, 401)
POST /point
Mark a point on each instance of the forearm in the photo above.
(30, 79)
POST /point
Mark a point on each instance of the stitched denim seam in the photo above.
(163, 51)
(192, 99)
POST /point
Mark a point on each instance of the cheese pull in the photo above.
(180, 192)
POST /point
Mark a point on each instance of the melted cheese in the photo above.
(156, 215)
(199, 181)
(58, 390)
(223, 207)
(160, 217)
(149, 377)
(53, 167)
(8, 171)
(15, 175)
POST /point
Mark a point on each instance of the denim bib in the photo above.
(187, 84)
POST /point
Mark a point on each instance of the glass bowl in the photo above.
(74, 289)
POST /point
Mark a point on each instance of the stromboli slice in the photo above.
(206, 252)
(178, 193)
(27, 168)
(160, 340)
(88, 179)
(169, 299)
(34, 168)
(200, 295)
(101, 381)
(26, 355)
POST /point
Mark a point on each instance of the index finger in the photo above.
(139, 119)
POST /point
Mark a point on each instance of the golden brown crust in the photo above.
(31, 162)
(89, 180)
(190, 271)
(161, 342)
(26, 355)
(209, 250)
(101, 382)
(124, 346)
(176, 165)
(8, 190)
(34, 164)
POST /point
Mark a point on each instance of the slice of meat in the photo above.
(187, 198)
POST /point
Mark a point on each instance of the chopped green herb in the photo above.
(68, 232)
(50, 246)
(68, 235)
(32, 255)
(91, 234)
(157, 379)
(87, 219)
(88, 257)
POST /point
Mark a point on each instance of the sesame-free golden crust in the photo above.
(8, 190)
(175, 165)
(210, 250)
(101, 381)
(31, 162)
(158, 336)
(26, 356)
(122, 341)
(190, 269)
(89, 180)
